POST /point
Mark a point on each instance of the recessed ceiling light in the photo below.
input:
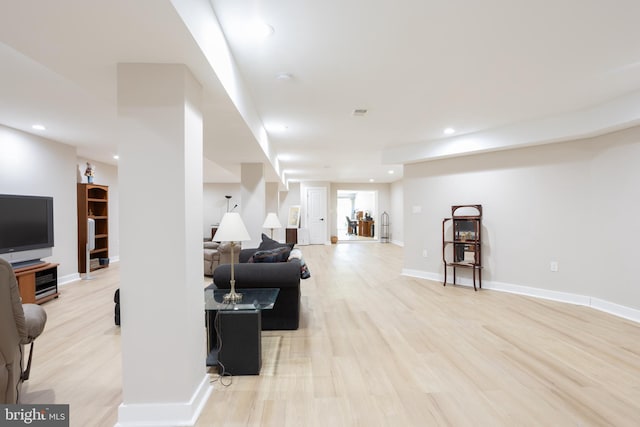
(267, 30)
(391, 172)
(284, 76)
(116, 157)
(38, 127)
(277, 128)
(260, 30)
(371, 179)
(286, 157)
(449, 131)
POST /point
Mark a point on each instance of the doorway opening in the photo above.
(355, 215)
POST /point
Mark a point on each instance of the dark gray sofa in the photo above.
(285, 314)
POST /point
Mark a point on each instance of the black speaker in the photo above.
(241, 349)
(91, 233)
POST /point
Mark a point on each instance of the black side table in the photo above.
(234, 331)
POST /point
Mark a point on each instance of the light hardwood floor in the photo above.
(374, 349)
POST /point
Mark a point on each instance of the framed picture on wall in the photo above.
(294, 217)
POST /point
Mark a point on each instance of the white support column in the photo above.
(160, 174)
(252, 201)
(272, 204)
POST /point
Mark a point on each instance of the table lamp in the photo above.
(232, 229)
(271, 221)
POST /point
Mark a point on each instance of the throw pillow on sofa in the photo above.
(268, 244)
(280, 254)
(304, 270)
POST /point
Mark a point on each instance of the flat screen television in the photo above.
(26, 228)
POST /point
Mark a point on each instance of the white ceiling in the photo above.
(503, 73)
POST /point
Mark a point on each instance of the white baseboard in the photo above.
(64, 280)
(566, 297)
(616, 309)
(166, 414)
(69, 278)
(421, 274)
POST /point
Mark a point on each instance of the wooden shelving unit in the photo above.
(465, 238)
(93, 202)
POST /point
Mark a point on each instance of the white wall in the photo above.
(253, 196)
(366, 201)
(33, 165)
(215, 204)
(568, 202)
(615, 203)
(396, 213)
(161, 221)
(272, 196)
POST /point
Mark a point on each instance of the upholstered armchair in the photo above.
(19, 325)
(216, 253)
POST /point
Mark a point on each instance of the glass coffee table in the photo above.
(234, 331)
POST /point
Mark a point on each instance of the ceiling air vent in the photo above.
(360, 112)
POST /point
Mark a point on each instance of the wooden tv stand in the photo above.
(30, 277)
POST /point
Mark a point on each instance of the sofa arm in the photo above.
(210, 245)
(35, 318)
(285, 314)
(259, 275)
(226, 247)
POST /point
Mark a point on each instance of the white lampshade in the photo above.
(231, 229)
(271, 221)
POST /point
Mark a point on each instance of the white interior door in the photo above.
(317, 215)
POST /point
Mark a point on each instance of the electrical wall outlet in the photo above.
(553, 265)
(425, 253)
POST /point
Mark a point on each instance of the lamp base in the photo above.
(232, 298)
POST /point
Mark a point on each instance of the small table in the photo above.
(234, 331)
(365, 227)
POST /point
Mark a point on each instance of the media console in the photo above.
(37, 283)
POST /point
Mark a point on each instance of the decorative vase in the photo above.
(90, 179)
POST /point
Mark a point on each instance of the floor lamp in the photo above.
(232, 229)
